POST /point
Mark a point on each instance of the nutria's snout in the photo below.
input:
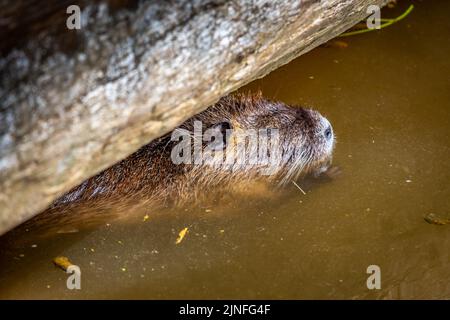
(310, 142)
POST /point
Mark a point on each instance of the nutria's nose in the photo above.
(328, 132)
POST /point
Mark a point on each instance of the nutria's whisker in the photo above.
(298, 187)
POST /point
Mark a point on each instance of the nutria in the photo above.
(305, 146)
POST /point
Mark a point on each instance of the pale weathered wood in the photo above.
(75, 102)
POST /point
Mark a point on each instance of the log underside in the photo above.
(74, 102)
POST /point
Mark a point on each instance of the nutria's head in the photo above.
(281, 142)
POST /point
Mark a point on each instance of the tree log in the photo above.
(74, 102)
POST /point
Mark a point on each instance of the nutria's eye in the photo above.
(218, 133)
(328, 133)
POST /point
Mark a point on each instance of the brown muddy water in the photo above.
(387, 96)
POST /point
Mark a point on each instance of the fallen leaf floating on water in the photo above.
(62, 262)
(181, 235)
(434, 219)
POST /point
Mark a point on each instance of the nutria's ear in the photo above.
(219, 132)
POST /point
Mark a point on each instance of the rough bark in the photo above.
(74, 102)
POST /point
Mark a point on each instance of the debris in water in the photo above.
(181, 235)
(145, 218)
(338, 44)
(62, 262)
(433, 219)
(392, 4)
